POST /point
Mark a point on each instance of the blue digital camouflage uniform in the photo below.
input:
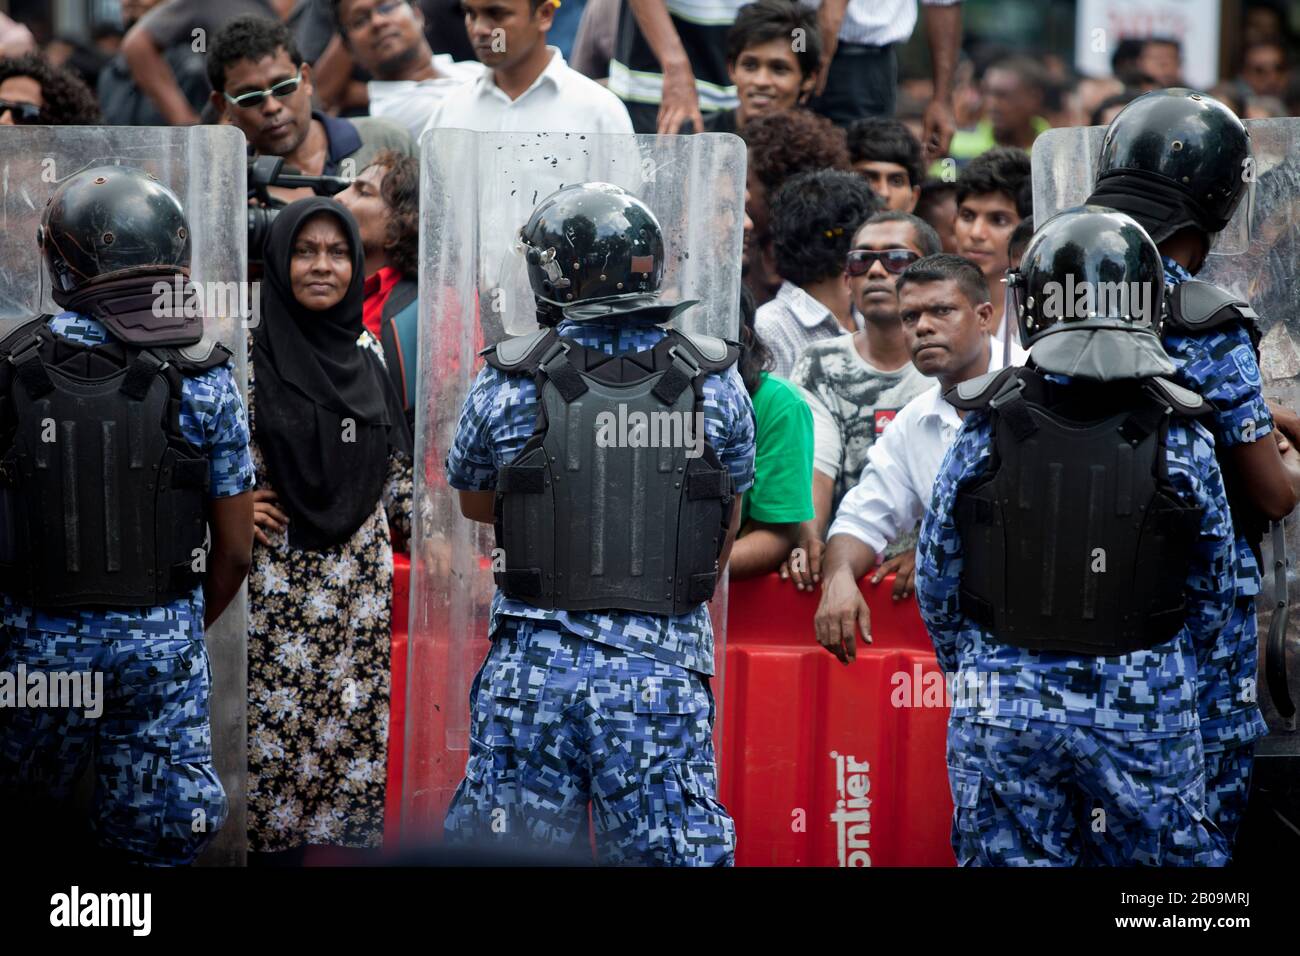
(1056, 759)
(158, 800)
(1220, 366)
(574, 706)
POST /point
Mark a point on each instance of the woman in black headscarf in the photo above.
(332, 452)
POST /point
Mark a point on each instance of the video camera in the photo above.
(267, 171)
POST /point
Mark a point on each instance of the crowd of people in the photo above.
(858, 182)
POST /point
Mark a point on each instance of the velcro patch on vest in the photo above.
(520, 582)
(706, 484)
(522, 479)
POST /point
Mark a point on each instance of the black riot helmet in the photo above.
(1088, 297)
(107, 220)
(592, 242)
(1174, 158)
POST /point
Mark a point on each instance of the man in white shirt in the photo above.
(386, 37)
(860, 69)
(527, 87)
(947, 319)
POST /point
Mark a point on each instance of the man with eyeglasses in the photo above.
(386, 37)
(164, 50)
(32, 92)
(947, 320)
(262, 86)
(856, 384)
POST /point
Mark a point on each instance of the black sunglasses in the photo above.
(24, 114)
(894, 260)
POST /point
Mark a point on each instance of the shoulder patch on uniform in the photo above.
(1201, 306)
(513, 353)
(1244, 358)
(976, 392)
(1184, 400)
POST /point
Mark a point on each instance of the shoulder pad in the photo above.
(978, 392)
(711, 354)
(8, 342)
(197, 358)
(1182, 400)
(1200, 306)
(518, 353)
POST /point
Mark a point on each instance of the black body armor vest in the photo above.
(102, 500)
(608, 506)
(1198, 307)
(1074, 541)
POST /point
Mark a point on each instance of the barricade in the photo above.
(822, 764)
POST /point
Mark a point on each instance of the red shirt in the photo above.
(377, 288)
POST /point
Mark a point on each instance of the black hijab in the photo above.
(316, 389)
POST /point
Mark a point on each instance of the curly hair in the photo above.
(793, 141)
(67, 101)
(814, 217)
(400, 191)
(249, 37)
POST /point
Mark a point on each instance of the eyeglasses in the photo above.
(894, 260)
(281, 91)
(24, 114)
(362, 20)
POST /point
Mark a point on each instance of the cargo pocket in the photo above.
(971, 817)
(685, 823)
(1192, 837)
(485, 805)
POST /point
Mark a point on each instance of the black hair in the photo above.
(1125, 56)
(1003, 169)
(248, 38)
(942, 267)
(400, 192)
(1029, 71)
(755, 356)
(769, 20)
(927, 240)
(1110, 102)
(814, 216)
(1020, 237)
(67, 101)
(1273, 43)
(933, 193)
(879, 140)
(1163, 41)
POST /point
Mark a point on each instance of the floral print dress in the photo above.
(319, 658)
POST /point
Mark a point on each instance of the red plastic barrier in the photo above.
(822, 764)
(825, 764)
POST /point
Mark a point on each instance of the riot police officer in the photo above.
(1179, 162)
(1074, 568)
(119, 449)
(610, 453)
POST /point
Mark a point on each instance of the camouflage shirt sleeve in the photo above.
(212, 418)
(1220, 366)
(1194, 473)
(729, 422)
(938, 548)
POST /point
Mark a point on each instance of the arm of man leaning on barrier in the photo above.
(886, 501)
(938, 549)
(1194, 473)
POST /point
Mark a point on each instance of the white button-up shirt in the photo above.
(894, 491)
(412, 102)
(880, 22)
(560, 100)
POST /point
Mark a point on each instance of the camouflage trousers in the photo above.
(1054, 794)
(1227, 787)
(157, 799)
(558, 722)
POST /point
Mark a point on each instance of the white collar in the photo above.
(487, 83)
(806, 309)
(932, 402)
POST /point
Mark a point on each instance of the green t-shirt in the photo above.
(783, 455)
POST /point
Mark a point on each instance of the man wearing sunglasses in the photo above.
(947, 319)
(261, 84)
(856, 384)
(32, 92)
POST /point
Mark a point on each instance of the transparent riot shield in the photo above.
(205, 166)
(476, 191)
(1264, 273)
